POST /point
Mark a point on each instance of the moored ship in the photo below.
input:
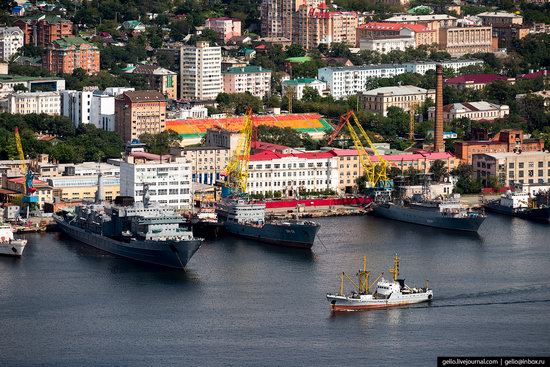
(388, 293)
(519, 204)
(138, 231)
(247, 219)
(9, 246)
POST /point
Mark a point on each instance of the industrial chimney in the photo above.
(438, 129)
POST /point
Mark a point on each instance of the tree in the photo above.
(310, 95)
(295, 50)
(466, 184)
(160, 143)
(439, 170)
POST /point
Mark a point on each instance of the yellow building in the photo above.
(458, 41)
(78, 188)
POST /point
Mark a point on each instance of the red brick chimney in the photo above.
(438, 129)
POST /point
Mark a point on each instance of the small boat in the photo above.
(388, 293)
(10, 246)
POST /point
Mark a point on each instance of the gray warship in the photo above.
(442, 213)
(138, 231)
(247, 219)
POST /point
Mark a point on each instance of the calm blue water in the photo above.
(241, 303)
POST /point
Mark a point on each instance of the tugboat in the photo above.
(519, 204)
(247, 219)
(420, 209)
(388, 293)
(9, 246)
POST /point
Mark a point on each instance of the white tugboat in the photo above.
(388, 293)
(9, 246)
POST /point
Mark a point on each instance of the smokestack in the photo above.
(438, 129)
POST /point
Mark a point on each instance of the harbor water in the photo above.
(244, 303)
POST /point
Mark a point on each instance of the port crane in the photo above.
(29, 197)
(236, 171)
(376, 172)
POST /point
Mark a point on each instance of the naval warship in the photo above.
(139, 231)
(246, 219)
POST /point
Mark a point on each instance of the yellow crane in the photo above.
(29, 199)
(236, 171)
(376, 172)
(23, 164)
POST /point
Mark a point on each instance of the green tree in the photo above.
(311, 95)
(466, 184)
(160, 143)
(439, 170)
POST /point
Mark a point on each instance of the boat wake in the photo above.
(483, 303)
(500, 292)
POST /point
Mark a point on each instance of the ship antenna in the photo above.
(341, 284)
(395, 269)
(364, 278)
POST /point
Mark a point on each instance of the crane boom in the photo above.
(21, 155)
(236, 170)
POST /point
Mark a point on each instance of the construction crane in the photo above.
(236, 171)
(29, 197)
(376, 173)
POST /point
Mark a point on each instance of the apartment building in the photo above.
(77, 105)
(102, 112)
(207, 162)
(277, 16)
(350, 80)
(65, 55)
(431, 21)
(161, 79)
(476, 81)
(381, 30)
(41, 30)
(511, 168)
(225, 27)
(388, 44)
(506, 141)
(313, 26)
(201, 75)
(253, 79)
(476, 111)
(405, 97)
(421, 67)
(25, 103)
(459, 41)
(139, 112)
(168, 178)
(298, 85)
(500, 18)
(11, 40)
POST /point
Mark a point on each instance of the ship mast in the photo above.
(395, 269)
(364, 278)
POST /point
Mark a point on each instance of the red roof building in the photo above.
(379, 30)
(476, 81)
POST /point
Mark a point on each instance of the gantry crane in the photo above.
(29, 197)
(236, 171)
(376, 172)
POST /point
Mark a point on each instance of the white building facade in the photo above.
(291, 174)
(25, 103)
(421, 67)
(298, 86)
(387, 44)
(253, 79)
(169, 179)
(473, 110)
(348, 81)
(201, 71)
(77, 105)
(11, 40)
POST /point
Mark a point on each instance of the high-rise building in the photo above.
(277, 16)
(65, 55)
(11, 40)
(139, 112)
(41, 30)
(225, 27)
(201, 74)
(77, 105)
(253, 79)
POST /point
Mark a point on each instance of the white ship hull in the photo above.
(365, 302)
(12, 248)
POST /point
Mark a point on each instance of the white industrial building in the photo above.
(421, 67)
(168, 177)
(293, 173)
(201, 71)
(349, 80)
(25, 103)
(481, 110)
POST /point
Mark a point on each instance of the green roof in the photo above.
(299, 81)
(22, 78)
(70, 41)
(299, 60)
(247, 70)
(132, 24)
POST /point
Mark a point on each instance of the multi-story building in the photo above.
(291, 174)
(77, 105)
(421, 67)
(168, 178)
(25, 103)
(41, 30)
(139, 112)
(476, 81)
(32, 84)
(79, 188)
(505, 141)
(375, 30)
(350, 80)
(472, 110)
(277, 16)
(459, 41)
(388, 43)
(253, 79)
(509, 168)
(431, 21)
(201, 75)
(313, 26)
(102, 112)
(500, 18)
(161, 79)
(405, 97)
(43, 190)
(11, 40)
(508, 35)
(298, 86)
(207, 162)
(225, 27)
(65, 55)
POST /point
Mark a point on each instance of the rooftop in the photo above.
(477, 79)
(511, 154)
(425, 18)
(398, 91)
(247, 70)
(144, 96)
(498, 14)
(473, 106)
(298, 81)
(363, 67)
(298, 60)
(70, 41)
(389, 26)
(21, 78)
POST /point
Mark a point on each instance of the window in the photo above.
(520, 164)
